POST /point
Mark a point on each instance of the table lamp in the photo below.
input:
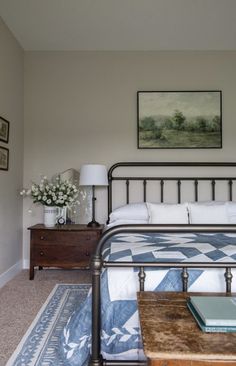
(93, 175)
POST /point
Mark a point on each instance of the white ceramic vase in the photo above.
(50, 215)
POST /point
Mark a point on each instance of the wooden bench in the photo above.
(171, 337)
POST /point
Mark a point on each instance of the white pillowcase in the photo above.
(206, 212)
(210, 212)
(164, 213)
(132, 211)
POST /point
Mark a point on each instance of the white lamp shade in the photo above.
(93, 175)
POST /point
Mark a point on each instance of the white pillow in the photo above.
(210, 212)
(132, 211)
(164, 213)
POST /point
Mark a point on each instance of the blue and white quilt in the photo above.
(120, 337)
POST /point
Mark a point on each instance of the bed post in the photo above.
(96, 357)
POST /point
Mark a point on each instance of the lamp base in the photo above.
(93, 223)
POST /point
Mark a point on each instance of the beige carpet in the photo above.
(21, 299)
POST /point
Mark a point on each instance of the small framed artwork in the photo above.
(179, 119)
(4, 158)
(4, 130)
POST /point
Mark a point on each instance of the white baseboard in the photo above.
(10, 273)
(26, 264)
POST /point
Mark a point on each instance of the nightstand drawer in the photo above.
(40, 237)
(74, 256)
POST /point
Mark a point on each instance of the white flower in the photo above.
(61, 193)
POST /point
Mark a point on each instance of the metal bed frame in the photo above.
(98, 262)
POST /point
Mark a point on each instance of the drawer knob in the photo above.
(41, 253)
(88, 237)
(42, 237)
(87, 253)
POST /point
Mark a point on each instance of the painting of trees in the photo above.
(179, 119)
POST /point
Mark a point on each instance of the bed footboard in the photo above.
(98, 263)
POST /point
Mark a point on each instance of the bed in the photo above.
(174, 252)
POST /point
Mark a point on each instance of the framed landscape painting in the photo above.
(4, 129)
(4, 158)
(179, 119)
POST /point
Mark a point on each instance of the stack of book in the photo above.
(214, 313)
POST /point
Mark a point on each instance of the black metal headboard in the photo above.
(162, 179)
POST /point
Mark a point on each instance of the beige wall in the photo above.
(11, 108)
(80, 107)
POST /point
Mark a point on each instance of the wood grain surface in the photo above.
(171, 337)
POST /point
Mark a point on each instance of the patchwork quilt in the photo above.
(120, 336)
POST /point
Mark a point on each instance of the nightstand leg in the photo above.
(31, 273)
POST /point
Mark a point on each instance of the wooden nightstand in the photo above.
(66, 246)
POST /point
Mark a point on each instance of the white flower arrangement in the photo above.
(48, 193)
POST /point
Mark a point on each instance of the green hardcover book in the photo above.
(206, 328)
(215, 310)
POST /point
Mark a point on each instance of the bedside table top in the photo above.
(71, 227)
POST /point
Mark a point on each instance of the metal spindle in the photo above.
(213, 184)
(185, 277)
(141, 276)
(228, 279)
(230, 190)
(144, 190)
(196, 189)
(127, 191)
(162, 190)
(179, 191)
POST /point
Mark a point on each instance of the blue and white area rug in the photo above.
(39, 346)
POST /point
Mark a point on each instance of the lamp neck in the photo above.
(93, 223)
